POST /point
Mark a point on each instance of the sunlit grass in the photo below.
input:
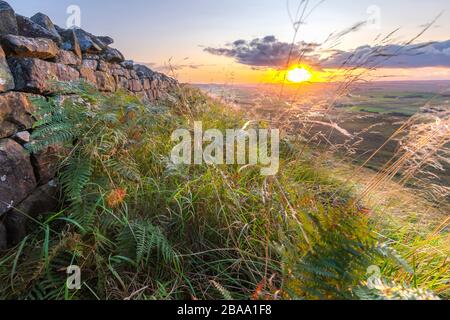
(141, 228)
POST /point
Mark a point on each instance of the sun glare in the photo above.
(298, 75)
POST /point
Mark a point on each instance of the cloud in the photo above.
(270, 52)
(433, 54)
(264, 52)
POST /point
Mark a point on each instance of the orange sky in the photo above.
(234, 73)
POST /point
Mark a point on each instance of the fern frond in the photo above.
(140, 240)
(75, 176)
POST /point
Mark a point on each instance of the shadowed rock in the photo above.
(19, 46)
(6, 78)
(88, 42)
(43, 200)
(155, 77)
(127, 64)
(46, 162)
(45, 22)
(70, 42)
(59, 29)
(8, 23)
(91, 56)
(113, 55)
(106, 40)
(36, 76)
(17, 179)
(143, 71)
(29, 28)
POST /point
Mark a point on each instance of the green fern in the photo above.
(75, 176)
(142, 241)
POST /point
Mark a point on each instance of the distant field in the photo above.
(382, 107)
(392, 102)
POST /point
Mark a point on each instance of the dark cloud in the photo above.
(265, 52)
(435, 54)
(270, 52)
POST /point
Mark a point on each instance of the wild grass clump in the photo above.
(140, 227)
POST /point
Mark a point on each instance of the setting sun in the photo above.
(298, 75)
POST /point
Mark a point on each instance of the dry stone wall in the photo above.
(33, 53)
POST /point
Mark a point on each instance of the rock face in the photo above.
(113, 55)
(90, 64)
(43, 200)
(127, 64)
(22, 137)
(34, 54)
(105, 82)
(106, 40)
(19, 46)
(15, 113)
(88, 75)
(88, 43)
(36, 76)
(17, 179)
(70, 42)
(68, 58)
(6, 78)
(45, 163)
(29, 28)
(8, 23)
(45, 22)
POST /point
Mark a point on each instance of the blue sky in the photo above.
(154, 31)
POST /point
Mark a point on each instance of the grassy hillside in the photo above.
(140, 227)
